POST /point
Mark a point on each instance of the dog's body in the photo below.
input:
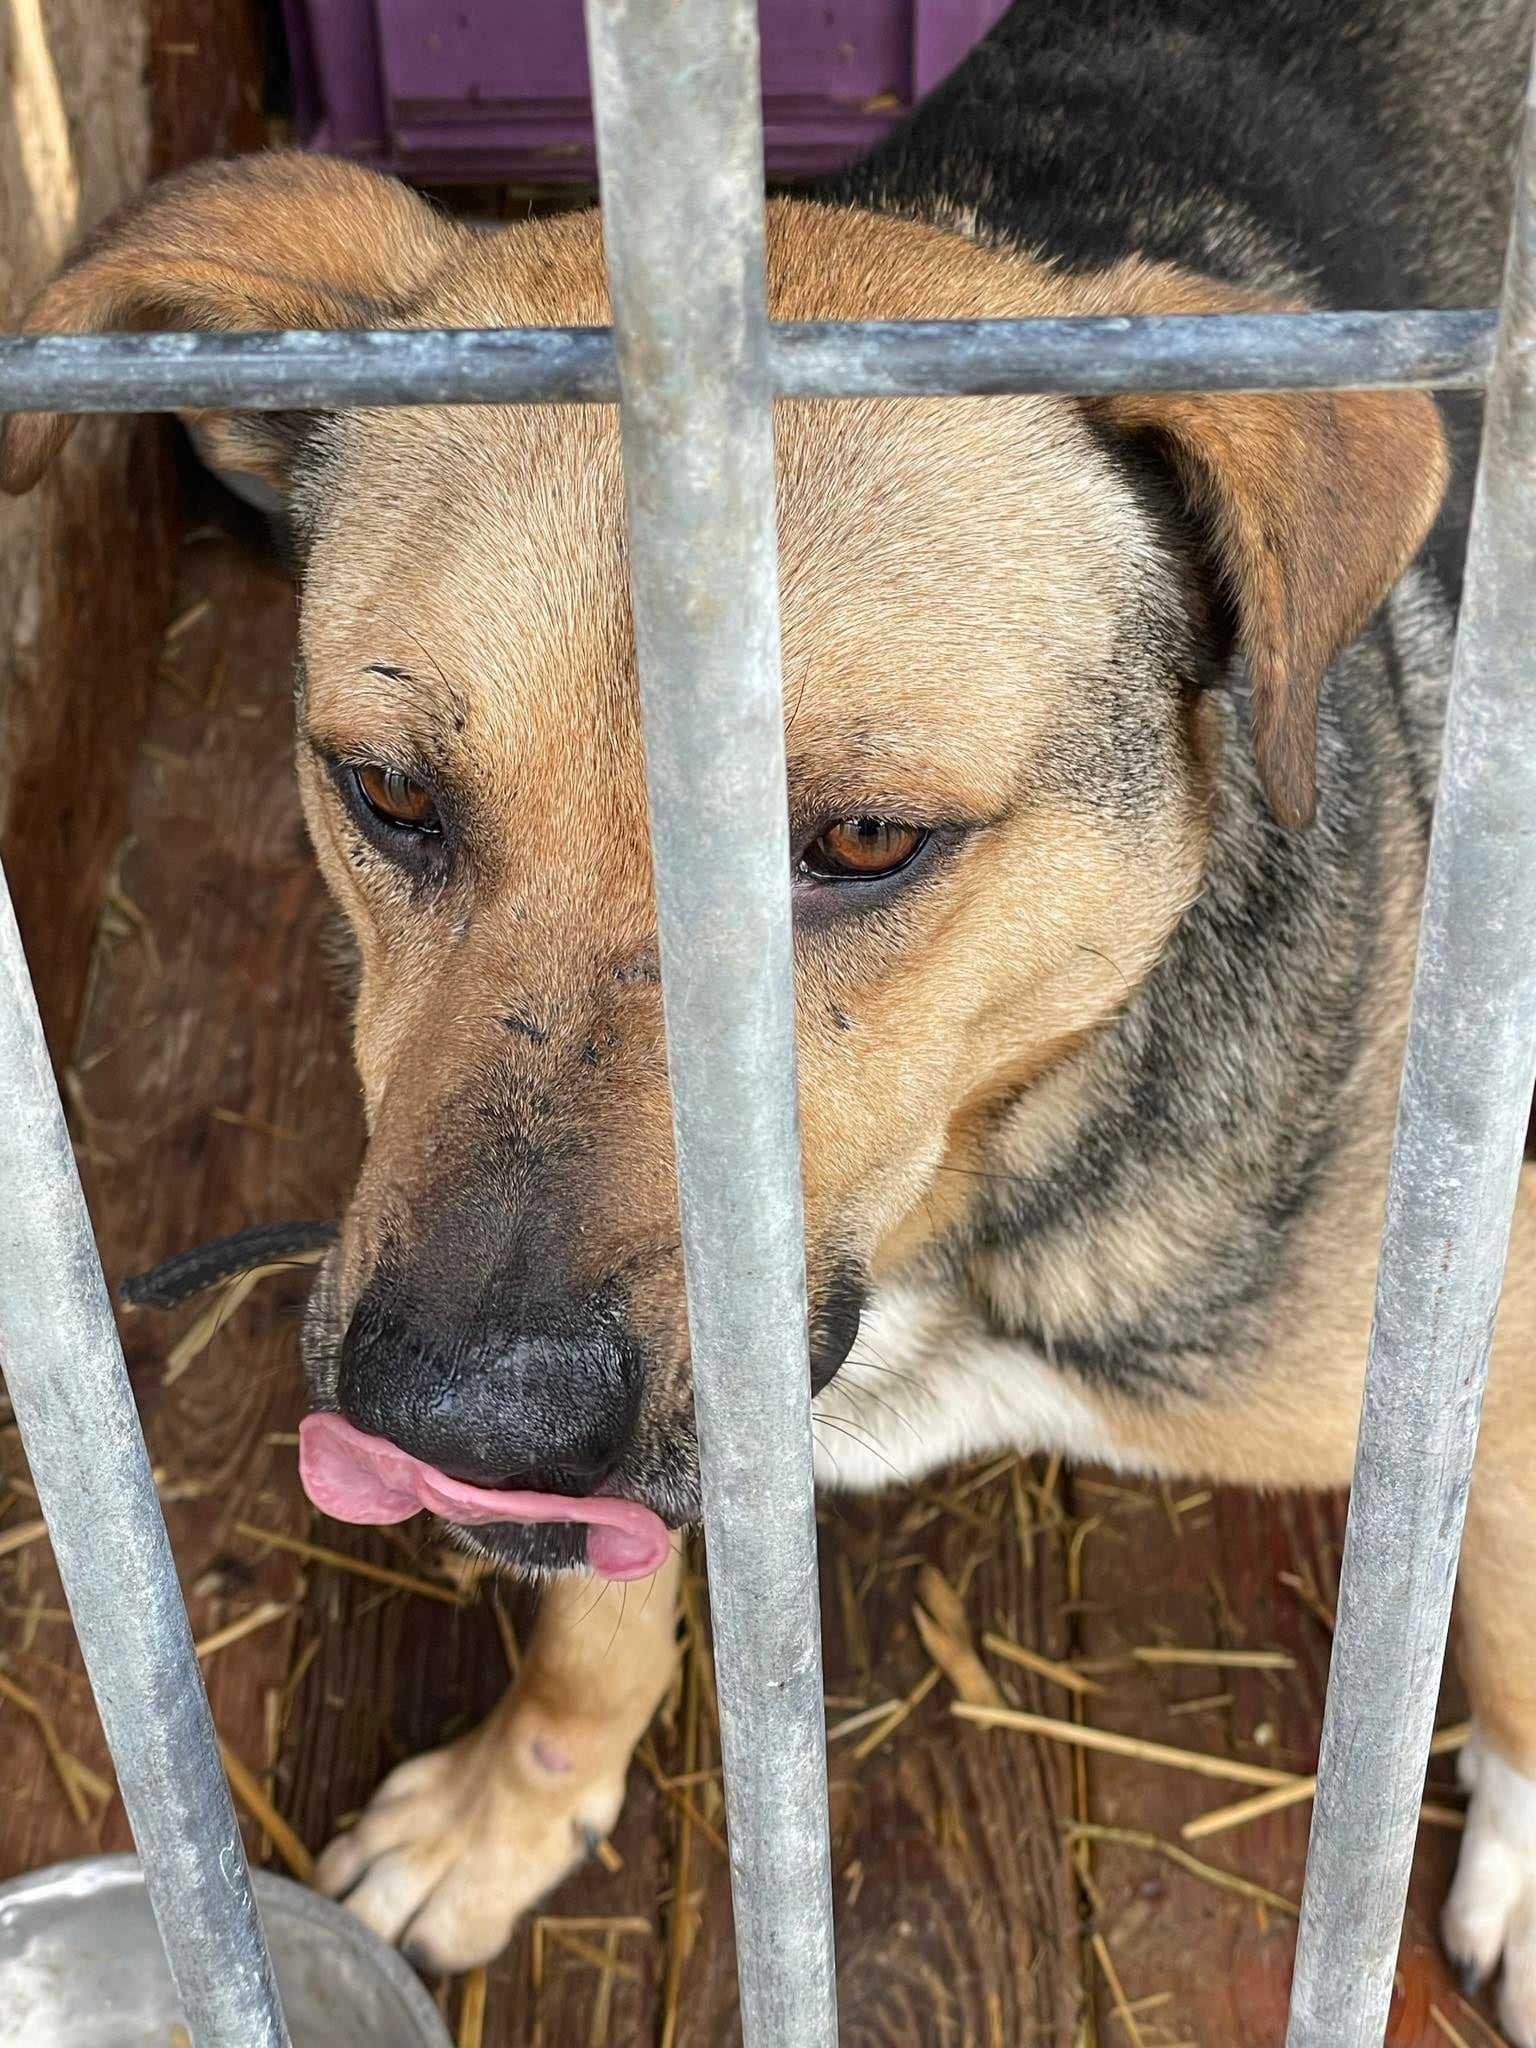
(1097, 1078)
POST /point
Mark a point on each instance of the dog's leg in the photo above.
(456, 1844)
(1491, 1914)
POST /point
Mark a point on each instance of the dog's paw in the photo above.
(1490, 1917)
(455, 1845)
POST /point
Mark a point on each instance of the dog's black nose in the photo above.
(547, 1408)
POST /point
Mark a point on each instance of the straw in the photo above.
(236, 1631)
(218, 1312)
(1236, 1660)
(1208, 1873)
(1043, 1667)
(1111, 1744)
(19, 1537)
(879, 1712)
(1445, 1742)
(381, 1574)
(73, 1776)
(903, 1708)
(1123, 2012)
(472, 2010)
(1438, 2020)
(942, 1629)
(247, 1789)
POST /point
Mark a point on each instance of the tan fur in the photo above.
(481, 551)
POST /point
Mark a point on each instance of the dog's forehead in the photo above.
(482, 555)
(481, 551)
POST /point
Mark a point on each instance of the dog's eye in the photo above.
(856, 849)
(397, 799)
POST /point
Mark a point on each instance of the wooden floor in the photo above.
(993, 1887)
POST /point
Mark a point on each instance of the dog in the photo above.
(1113, 740)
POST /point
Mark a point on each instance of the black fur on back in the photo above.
(1230, 138)
(1354, 150)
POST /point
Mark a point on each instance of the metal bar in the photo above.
(848, 359)
(679, 142)
(80, 1430)
(1467, 1081)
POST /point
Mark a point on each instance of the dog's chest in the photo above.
(926, 1383)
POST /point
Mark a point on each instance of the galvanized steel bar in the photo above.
(679, 144)
(849, 359)
(1467, 1081)
(69, 1388)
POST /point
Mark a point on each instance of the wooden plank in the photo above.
(80, 690)
(208, 995)
(956, 1920)
(78, 642)
(100, 100)
(1223, 1574)
(208, 62)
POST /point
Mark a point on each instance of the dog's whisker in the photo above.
(875, 1363)
(869, 1394)
(1026, 1180)
(619, 1624)
(1114, 966)
(827, 1451)
(864, 1441)
(799, 699)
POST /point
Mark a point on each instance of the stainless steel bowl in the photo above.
(81, 1967)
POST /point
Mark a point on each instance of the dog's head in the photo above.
(998, 619)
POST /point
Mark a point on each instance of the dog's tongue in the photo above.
(360, 1478)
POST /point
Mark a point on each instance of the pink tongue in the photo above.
(360, 1478)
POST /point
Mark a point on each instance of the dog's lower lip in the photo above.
(362, 1478)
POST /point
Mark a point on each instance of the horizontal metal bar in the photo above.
(1461, 1121)
(680, 157)
(849, 359)
(80, 1431)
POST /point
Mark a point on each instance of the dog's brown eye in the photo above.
(397, 799)
(857, 848)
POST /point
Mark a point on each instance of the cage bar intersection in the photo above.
(694, 365)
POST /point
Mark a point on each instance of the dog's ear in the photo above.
(257, 243)
(1313, 504)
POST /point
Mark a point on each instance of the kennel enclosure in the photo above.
(694, 366)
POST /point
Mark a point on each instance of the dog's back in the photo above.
(1354, 151)
(1358, 147)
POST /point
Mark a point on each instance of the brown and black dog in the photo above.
(1115, 732)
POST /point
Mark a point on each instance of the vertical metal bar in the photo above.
(1467, 1081)
(80, 1430)
(679, 134)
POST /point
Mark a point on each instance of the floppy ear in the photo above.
(1314, 502)
(257, 243)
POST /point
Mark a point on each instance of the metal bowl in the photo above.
(81, 1967)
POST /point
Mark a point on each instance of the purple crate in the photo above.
(477, 90)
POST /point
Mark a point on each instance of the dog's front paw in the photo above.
(455, 1845)
(1491, 1914)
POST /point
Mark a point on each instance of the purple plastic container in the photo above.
(475, 89)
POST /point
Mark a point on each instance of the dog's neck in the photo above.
(1133, 1210)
